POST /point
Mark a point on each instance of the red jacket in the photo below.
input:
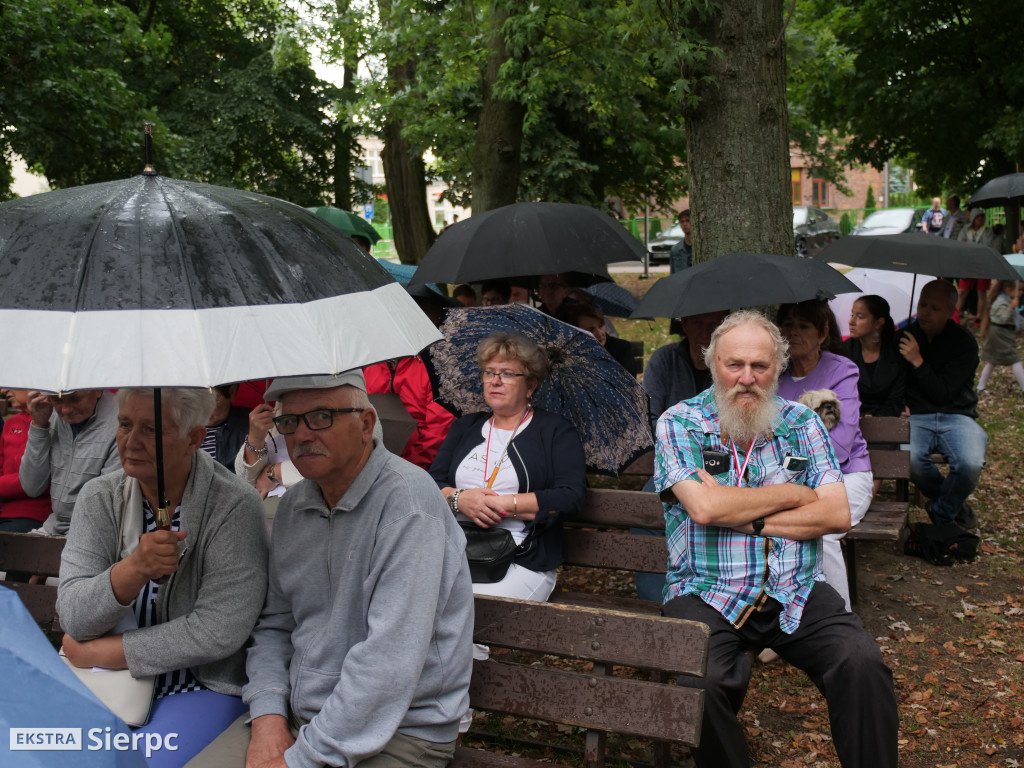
(13, 500)
(409, 380)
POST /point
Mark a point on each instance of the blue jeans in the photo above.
(962, 441)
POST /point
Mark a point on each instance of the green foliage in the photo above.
(845, 225)
(81, 76)
(602, 113)
(932, 85)
(869, 202)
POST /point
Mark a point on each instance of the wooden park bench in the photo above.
(595, 692)
(39, 555)
(887, 516)
(599, 537)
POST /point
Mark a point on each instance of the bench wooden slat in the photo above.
(40, 600)
(31, 553)
(889, 464)
(643, 465)
(615, 549)
(616, 704)
(572, 631)
(885, 429)
(607, 602)
(466, 757)
(610, 507)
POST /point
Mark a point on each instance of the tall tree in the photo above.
(557, 99)
(737, 132)
(937, 86)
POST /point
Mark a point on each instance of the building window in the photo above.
(819, 193)
(798, 196)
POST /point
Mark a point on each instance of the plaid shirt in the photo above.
(733, 572)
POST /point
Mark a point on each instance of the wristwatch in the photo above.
(271, 478)
(758, 526)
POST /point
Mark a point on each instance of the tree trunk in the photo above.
(344, 137)
(405, 179)
(499, 134)
(736, 137)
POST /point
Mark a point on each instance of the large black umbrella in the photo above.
(741, 279)
(999, 190)
(154, 282)
(918, 253)
(528, 239)
(157, 282)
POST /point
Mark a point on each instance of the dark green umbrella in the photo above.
(348, 222)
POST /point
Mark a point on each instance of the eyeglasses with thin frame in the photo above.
(321, 418)
(502, 375)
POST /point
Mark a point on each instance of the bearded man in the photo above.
(750, 484)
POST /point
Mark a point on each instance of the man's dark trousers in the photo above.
(830, 645)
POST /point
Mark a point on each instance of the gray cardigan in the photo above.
(58, 458)
(207, 609)
(367, 629)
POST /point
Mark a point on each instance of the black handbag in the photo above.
(490, 552)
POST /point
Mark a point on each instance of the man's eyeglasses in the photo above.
(321, 418)
(502, 375)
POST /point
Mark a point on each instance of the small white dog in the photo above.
(825, 403)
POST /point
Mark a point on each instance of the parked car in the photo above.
(891, 221)
(812, 229)
(659, 248)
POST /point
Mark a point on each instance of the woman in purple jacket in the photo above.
(813, 336)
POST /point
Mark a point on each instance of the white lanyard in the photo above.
(741, 470)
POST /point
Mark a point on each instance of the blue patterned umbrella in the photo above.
(585, 384)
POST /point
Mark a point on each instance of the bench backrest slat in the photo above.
(890, 465)
(611, 507)
(614, 704)
(614, 549)
(31, 553)
(643, 465)
(614, 637)
(885, 429)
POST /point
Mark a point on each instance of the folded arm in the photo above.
(790, 511)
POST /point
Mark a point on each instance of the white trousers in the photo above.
(859, 491)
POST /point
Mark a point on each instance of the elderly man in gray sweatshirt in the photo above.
(363, 652)
(70, 441)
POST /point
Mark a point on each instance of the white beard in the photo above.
(744, 424)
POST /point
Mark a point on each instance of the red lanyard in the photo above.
(487, 452)
(741, 470)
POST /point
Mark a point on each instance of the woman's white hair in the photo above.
(190, 408)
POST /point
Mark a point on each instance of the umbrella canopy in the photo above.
(585, 384)
(39, 691)
(528, 239)
(1016, 260)
(348, 222)
(919, 253)
(156, 282)
(612, 299)
(901, 289)
(741, 279)
(999, 190)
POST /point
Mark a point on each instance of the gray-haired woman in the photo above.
(176, 603)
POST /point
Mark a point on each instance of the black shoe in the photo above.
(966, 518)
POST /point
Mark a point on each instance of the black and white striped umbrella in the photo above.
(154, 282)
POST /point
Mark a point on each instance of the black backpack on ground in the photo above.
(942, 544)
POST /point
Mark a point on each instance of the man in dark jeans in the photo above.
(744, 548)
(942, 358)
